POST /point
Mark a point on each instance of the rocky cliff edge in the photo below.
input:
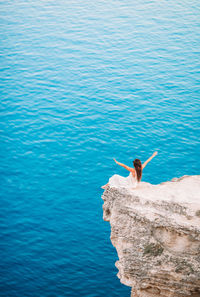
(156, 232)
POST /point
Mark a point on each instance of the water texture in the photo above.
(83, 82)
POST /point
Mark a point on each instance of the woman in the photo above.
(134, 177)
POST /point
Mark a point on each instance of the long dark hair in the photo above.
(138, 168)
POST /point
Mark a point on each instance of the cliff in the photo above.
(156, 232)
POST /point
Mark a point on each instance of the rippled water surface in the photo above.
(83, 82)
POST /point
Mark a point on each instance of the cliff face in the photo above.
(156, 232)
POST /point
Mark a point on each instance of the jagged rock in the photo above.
(156, 232)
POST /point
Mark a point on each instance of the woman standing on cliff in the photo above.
(134, 177)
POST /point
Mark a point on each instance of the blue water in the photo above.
(83, 82)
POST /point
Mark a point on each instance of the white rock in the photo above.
(156, 232)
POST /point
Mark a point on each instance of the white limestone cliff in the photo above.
(156, 232)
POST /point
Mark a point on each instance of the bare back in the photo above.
(133, 172)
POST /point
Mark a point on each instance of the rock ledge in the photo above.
(156, 232)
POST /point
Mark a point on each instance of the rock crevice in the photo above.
(156, 232)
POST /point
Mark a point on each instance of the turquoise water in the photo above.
(83, 82)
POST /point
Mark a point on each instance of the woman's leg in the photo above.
(104, 187)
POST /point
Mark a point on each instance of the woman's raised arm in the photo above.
(147, 161)
(123, 165)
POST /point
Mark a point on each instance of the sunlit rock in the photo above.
(156, 232)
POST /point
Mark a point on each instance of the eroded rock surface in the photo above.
(156, 232)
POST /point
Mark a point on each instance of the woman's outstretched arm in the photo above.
(147, 161)
(123, 165)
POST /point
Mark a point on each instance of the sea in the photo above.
(83, 82)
